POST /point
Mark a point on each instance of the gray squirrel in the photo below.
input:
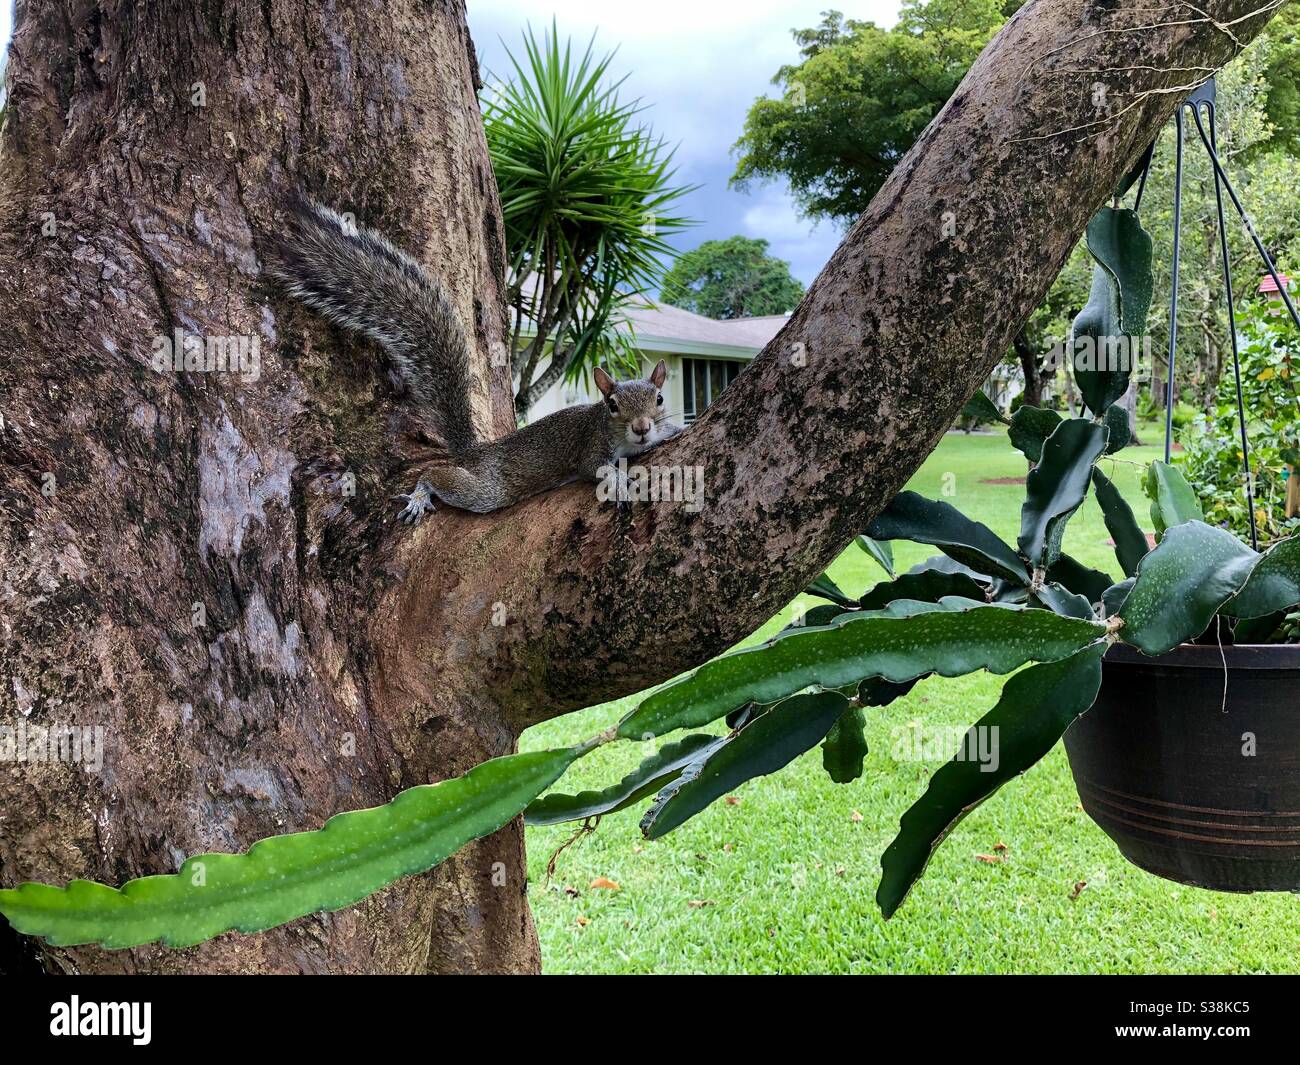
(355, 278)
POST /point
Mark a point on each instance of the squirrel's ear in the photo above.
(659, 374)
(603, 381)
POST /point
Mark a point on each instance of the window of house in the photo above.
(703, 381)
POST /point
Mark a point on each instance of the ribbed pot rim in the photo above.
(1279, 656)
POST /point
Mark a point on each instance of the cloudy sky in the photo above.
(698, 64)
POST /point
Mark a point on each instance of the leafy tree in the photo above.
(1283, 76)
(862, 95)
(859, 100)
(732, 278)
(586, 196)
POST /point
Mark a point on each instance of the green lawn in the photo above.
(783, 879)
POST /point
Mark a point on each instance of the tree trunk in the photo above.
(207, 565)
(1128, 403)
(1029, 366)
(211, 572)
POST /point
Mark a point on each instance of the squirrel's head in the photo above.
(636, 408)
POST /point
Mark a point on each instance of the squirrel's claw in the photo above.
(419, 502)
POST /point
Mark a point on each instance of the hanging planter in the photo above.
(1152, 754)
(1191, 763)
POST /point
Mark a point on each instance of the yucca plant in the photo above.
(980, 605)
(587, 198)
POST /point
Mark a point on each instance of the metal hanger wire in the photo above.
(1204, 98)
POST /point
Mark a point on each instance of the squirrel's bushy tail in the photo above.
(355, 278)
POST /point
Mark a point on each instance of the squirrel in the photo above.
(355, 278)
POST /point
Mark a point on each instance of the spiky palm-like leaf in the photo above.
(587, 196)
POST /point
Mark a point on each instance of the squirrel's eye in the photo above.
(659, 399)
(612, 404)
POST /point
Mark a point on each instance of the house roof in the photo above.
(663, 328)
(670, 330)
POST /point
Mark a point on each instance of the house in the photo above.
(704, 355)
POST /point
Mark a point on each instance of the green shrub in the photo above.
(1212, 462)
(1184, 411)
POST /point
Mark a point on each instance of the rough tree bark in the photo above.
(343, 656)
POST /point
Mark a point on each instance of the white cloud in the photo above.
(776, 218)
(804, 244)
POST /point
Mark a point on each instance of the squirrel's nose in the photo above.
(641, 426)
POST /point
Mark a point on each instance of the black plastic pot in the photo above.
(1189, 790)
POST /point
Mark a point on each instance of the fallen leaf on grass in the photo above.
(605, 883)
(855, 817)
(696, 904)
(582, 921)
(1078, 887)
(990, 859)
(999, 846)
(731, 800)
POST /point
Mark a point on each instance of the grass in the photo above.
(783, 877)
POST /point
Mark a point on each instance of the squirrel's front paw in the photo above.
(419, 502)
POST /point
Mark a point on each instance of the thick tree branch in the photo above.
(827, 424)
